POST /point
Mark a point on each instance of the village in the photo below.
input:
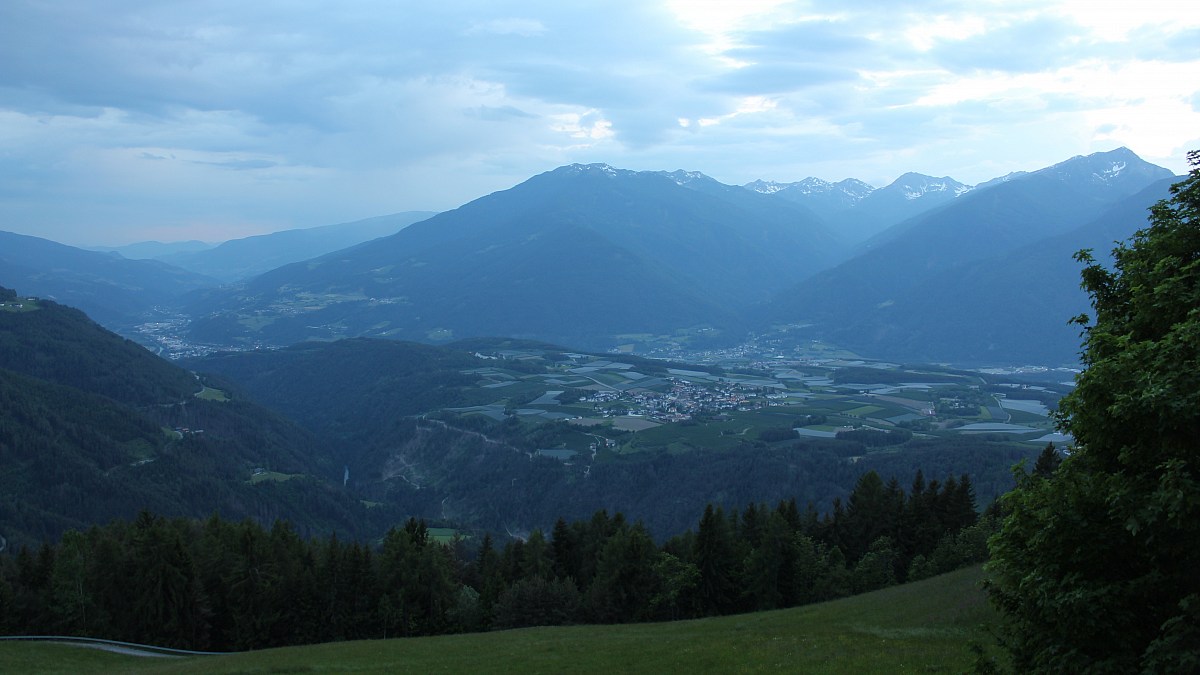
(683, 401)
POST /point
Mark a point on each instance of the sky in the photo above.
(134, 120)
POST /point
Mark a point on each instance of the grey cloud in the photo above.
(777, 77)
(497, 113)
(239, 164)
(1043, 43)
(360, 105)
(804, 40)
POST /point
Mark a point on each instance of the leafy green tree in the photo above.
(876, 569)
(675, 596)
(1095, 567)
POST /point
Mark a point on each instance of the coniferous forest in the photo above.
(222, 586)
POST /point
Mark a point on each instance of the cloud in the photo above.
(777, 77)
(497, 113)
(521, 27)
(243, 164)
(1030, 45)
(130, 115)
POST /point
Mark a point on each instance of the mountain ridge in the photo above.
(984, 224)
(636, 247)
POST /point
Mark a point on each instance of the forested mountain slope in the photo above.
(94, 427)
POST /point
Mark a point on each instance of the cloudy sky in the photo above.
(129, 120)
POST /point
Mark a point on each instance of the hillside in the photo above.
(1010, 308)
(116, 292)
(250, 256)
(94, 427)
(924, 626)
(579, 255)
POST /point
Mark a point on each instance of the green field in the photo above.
(272, 476)
(210, 394)
(927, 626)
(442, 535)
(27, 305)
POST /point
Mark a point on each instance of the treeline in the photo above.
(221, 585)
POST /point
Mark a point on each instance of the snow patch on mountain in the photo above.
(915, 186)
(1112, 171)
(605, 169)
(685, 178)
(766, 187)
(851, 187)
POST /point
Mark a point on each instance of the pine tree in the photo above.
(715, 558)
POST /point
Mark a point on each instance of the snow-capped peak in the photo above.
(683, 178)
(766, 187)
(915, 185)
(597, 168)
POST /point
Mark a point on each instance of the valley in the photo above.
(673, 341)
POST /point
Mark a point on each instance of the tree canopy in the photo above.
(1094, 568)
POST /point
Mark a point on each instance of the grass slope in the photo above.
(920, 627)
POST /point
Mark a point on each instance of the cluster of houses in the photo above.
(680, 403)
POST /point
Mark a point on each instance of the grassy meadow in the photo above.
(923, 627)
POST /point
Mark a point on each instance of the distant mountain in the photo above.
(143, 250)
(882, 301)
(855, 210)
(243, 258)
(826, 199)
(94, 427)
(578, 255)
(908, 196)
(1014, 308)
(113, 290)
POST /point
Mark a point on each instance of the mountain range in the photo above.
(860, 210)
(943, 286)
(578, 255)
(593, 256)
